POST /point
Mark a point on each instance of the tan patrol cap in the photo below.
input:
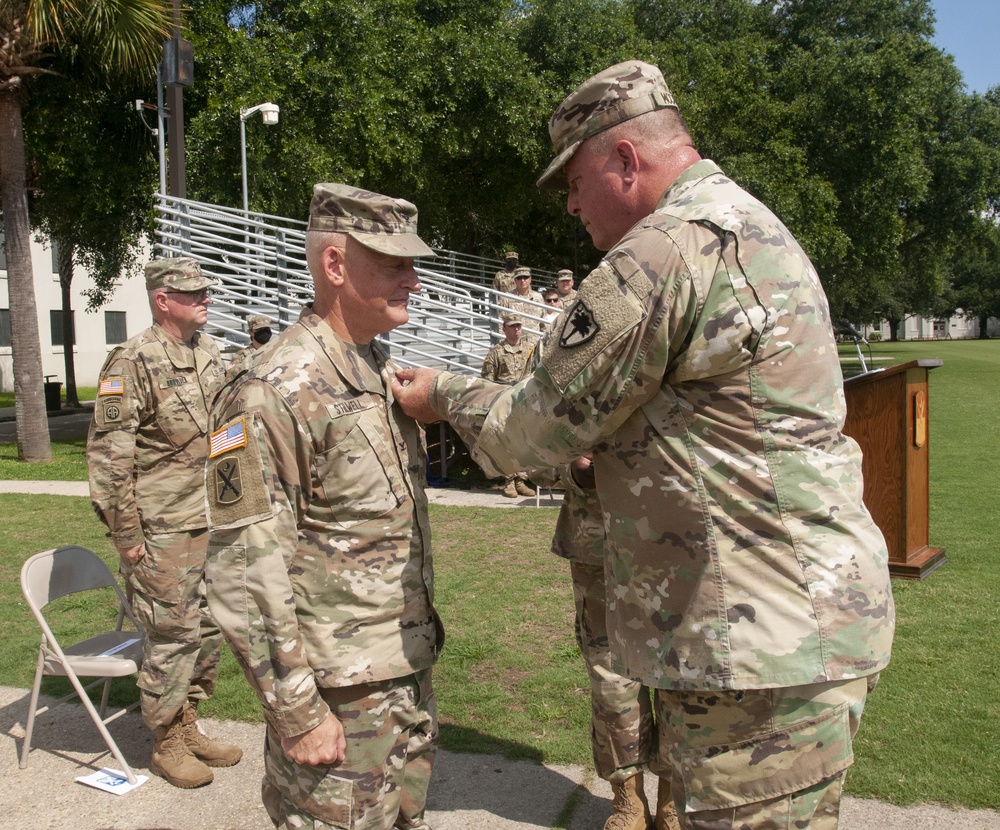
(523, 271)
(617, 94)
(510, 255)
(564, 274)
(258, 321)
(511, 319)
(176, 273)
(379, 222)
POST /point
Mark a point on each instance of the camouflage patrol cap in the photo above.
(258, 321)
(617, 94)
(511, 319)
(564, 274)
(378, 222)
(510, 255)
(523, 271)
(177, 274)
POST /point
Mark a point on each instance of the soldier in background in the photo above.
(259, 329)
(146, 459)
(319, 567)
(504, 363)
(503, 280)
(747, 583)
(521, 300)
(564, 285)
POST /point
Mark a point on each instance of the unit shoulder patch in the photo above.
(236, 477)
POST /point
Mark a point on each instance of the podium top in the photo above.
(877, 374)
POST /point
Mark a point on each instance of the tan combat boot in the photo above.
(204, 748)
(523, 488)
(666, 811)
(631, 809)
(510, 490)
(174, 761)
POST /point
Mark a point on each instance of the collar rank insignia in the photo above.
(228, 484)
(228, 438)
(579, 327)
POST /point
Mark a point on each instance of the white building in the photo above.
(97, 332)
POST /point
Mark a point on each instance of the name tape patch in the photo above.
(228, 438)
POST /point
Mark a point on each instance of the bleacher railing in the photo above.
(260, 263)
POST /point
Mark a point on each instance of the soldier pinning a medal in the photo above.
(146, 460)
(319, 568)
(748, 585)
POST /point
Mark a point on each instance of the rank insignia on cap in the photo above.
(228, 438)
(228, 485)
(579, 327)
(111, 386)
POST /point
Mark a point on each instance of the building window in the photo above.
(4, 328)
(114, 327)
(55, 322)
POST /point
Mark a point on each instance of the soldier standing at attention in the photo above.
(504, 363)
(146, 458)
(564, 285)
(748, 585)
(259, 329)
(503, 280)
(319, 567)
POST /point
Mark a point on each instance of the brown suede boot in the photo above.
(204, 748)
(666, 811)
(510, 490)
(523, 488)
(631, 809)
(173, 760)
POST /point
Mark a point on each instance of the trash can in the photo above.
(52, 394)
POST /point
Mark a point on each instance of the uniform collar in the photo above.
(351, 366)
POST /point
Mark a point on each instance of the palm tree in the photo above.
(116, 36)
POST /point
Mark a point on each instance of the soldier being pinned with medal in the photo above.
(146, 460)
(319, 567)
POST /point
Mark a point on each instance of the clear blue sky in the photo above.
(969, 31)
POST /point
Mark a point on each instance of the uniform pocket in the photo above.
(179, 419)
(360, 476)
(768, 766)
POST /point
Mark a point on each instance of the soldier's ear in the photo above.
(333, 265)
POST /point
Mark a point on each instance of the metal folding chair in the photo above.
(53, 574)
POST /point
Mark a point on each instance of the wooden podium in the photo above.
(887, 414)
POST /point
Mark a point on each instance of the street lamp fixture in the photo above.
(269, 114)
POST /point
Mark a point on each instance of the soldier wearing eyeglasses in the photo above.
(146, 458)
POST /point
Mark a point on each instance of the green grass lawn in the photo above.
(511, 679)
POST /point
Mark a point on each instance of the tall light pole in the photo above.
(269, 113)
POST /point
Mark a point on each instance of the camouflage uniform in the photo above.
(621, 724)
(699, 366)
(504, 363)
(146, 459)
(241, 359)
(503, 280)
(320, 572)
(566, 299)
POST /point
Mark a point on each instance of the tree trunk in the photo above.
(32, 425)
(66, 250)
(894, 330)
(984, 321)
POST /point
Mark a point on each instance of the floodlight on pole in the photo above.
(269, 114)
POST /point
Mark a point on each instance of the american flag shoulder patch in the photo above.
(111, 386)
(228, 438)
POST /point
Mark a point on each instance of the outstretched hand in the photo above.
(412, 389)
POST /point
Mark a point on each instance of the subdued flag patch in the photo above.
(111, 386)
(228, 438)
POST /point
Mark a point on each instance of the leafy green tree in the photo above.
(95, 206)
(107, 35)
